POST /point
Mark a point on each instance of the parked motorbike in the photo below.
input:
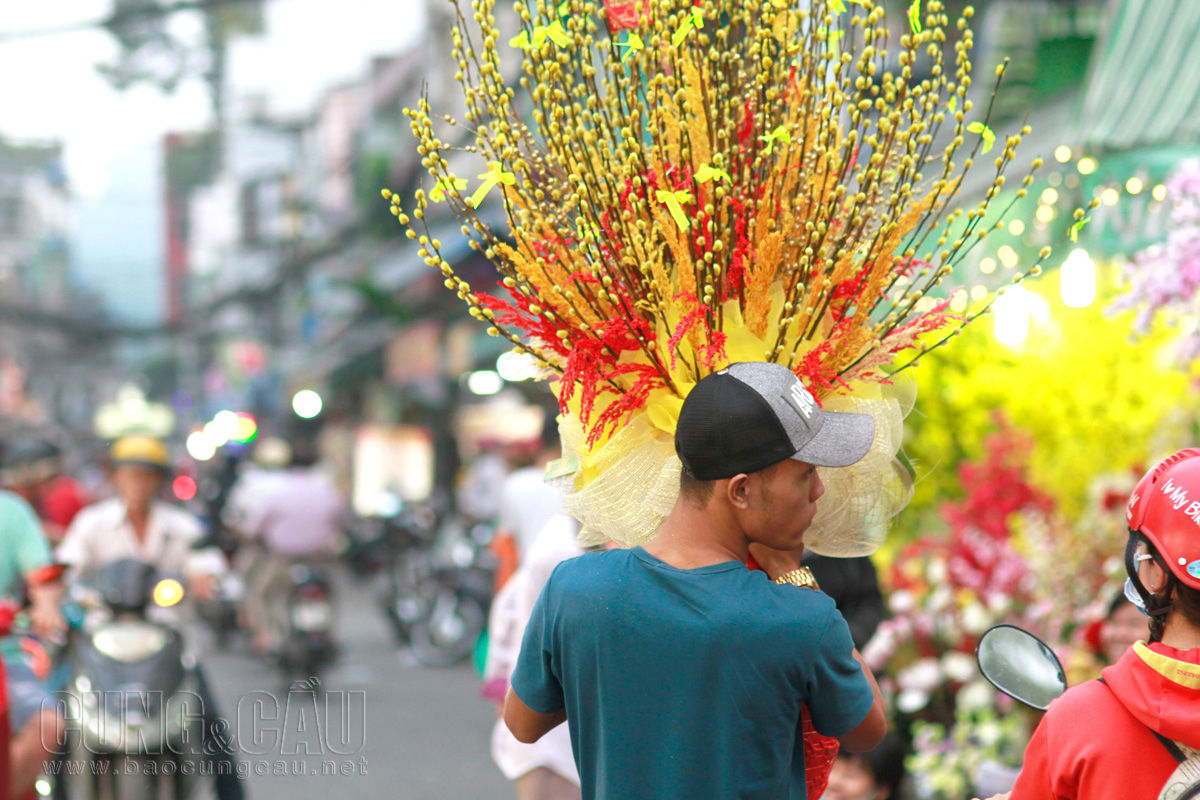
(464, 573)
(309, 646)
(134, 707)
(408, 584)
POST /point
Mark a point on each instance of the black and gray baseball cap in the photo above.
(753, 414)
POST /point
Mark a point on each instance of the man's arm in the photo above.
(525, 723)
(872, 729)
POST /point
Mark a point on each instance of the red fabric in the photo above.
(5, 732)
(62, 500)
(45, 574)
(1094, 743)
(624, 15)
(819, 754)
(8, 615)
(504, 547)
(1091, 635)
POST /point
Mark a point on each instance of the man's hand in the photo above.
(776, 562)
(45, 611)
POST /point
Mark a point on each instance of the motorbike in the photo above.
(134, 715)
(463, 571)
(36, 661)
(309, 645)
(438, 586)
(407, 582)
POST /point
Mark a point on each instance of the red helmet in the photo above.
(1165, 508)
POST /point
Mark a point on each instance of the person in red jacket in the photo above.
(1134, 734)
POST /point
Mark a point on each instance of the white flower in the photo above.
(975, 618)
(911, 701)
(940, 598)
(879, 649)
(976, 694)
(988, 733)
(901, 601)
(924, 676)
(959, 667)
(999, 603)
(935, 573)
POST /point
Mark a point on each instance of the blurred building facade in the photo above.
(291, 273)
(53, 347)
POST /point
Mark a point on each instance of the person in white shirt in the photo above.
(544, 770)
(527, 503)
(136, 524)
(298, 517)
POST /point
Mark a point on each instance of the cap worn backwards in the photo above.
(751, 415)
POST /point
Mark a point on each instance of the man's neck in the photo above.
(139, 519)
(690, 537)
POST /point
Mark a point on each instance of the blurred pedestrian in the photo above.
(1107, 639)
(299, 517)
(680, 672)
(138, 524)
(34, 469)
(527, 503)
(34, 720)
(876, 774)
(482, 484)
(545, 769)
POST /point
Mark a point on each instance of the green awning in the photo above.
(1143, 86)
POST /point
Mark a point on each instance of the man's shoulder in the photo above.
(589, 573)
(12, 503)
(592, 564)
(98, 512)
(177, 520)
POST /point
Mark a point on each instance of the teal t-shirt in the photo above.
(687, 683)
(23, 546)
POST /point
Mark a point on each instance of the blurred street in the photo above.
(424, 737)
(415, 292)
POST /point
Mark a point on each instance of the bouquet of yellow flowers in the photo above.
(689, 184)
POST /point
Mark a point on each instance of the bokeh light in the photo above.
(200, 446)
(184, 487)
(307, 403)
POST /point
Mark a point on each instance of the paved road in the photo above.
(381, 726)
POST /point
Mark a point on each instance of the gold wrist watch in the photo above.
(801, 576)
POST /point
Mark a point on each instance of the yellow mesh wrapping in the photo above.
(623, 491)
(636, 483)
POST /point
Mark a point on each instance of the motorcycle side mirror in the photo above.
(1021, 665)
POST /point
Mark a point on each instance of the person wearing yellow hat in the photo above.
(136, 524)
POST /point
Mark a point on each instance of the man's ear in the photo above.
(737, 491)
